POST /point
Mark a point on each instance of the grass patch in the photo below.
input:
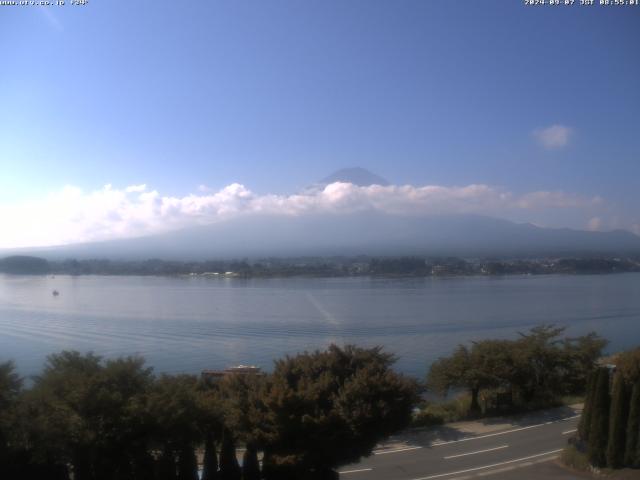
(571, 399)
(574, 458)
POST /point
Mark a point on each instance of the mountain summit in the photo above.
(355, 175)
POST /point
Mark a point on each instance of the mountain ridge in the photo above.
(370, 233)
(358, 176)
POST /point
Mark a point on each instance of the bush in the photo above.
(438, 413)
(427, 418)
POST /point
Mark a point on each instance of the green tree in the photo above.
(632, 450)
(10, 390)
(457, 371)
(581, 356)
(174, 410)
(495, 364)
(618, 422)
(250, 464)
(82, 411)
(540, 366)
(60, 406)
(245, 415)
(587, 410)
(210, 423)
(628, 363)
(598, 432)
(187, 464)
(326, 409)
(166, 468)
(229, 468)
(540, 362)
(487, 364)
(113, 416)
(210, 460)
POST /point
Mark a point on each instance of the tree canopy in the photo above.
(538, 365)
(94, 419)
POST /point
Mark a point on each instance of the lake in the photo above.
(186, 324)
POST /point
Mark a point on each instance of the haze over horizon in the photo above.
(126, 121)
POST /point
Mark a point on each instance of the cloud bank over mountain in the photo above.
(72, 215)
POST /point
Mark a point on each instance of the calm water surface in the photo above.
(188, 324)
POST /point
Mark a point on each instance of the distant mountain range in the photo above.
(370, 233)
(355, 175)
(355, 234)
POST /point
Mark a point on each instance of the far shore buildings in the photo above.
(245, 370)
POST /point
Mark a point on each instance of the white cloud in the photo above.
(72, 215)
(555, 136)
(544, 199)
(136, 188)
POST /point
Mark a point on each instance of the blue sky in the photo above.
(277, 94)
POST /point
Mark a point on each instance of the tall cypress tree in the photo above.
(187, 464)
(143, 465)
(618, 422)
(632, 450)
(229, 468)
(599, 429)
(585, 419)
(166, 465)
(210, 461)
(250, 464)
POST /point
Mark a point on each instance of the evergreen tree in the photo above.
(618, 422)
(598, 432)
(210, 461)
(166, 466)
(10, 388)
(229, 468)
(632, 450)
(585, 419)
(187, 464)
(143, 466)
(250, 465)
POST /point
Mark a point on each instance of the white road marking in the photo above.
(569, 431)
(384, 452)
(356, 471)
(479, 451)
(513, 467)
(500, 470)
(489, 466)
(466, 439)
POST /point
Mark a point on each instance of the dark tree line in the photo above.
(321, 266)
(94, 419)
(531, 370)
(609, 430)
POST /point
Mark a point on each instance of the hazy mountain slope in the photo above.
(356, 175)
(368, 233)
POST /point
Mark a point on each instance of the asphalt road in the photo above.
(514, 450)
